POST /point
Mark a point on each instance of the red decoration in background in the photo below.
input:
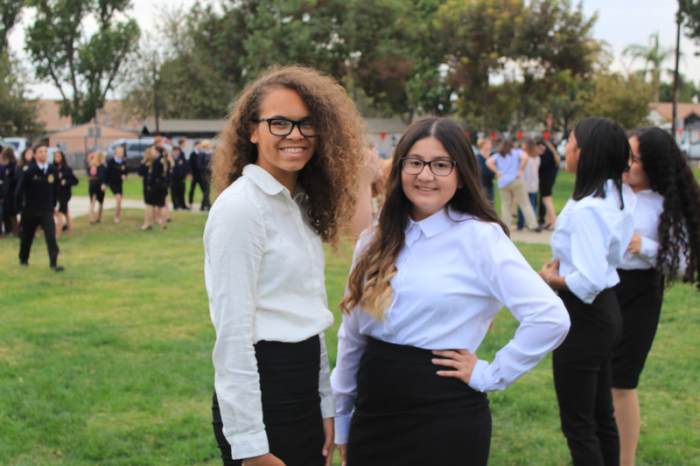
(382, 135)
(547, 135)
(519, 135)
(494, 136)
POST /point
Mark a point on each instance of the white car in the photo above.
(19, 144)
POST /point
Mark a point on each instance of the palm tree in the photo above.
(653, 56)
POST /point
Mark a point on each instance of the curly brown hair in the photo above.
(679, 224)
(369, 284)
(330, 177)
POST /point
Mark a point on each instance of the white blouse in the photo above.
(647, 211)
(453, 276)
(263, 270)
(590, 240)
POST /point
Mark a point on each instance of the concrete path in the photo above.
(525, 236)
(80, 206)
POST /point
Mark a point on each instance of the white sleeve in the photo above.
(324, 382)
(589, 245)
(648, 250)
(351, 347)
(234, 239)
(544, 321)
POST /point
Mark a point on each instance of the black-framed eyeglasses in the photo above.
(283, 127)
(439, 167)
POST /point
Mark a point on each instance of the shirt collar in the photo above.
(263, 179)
(431, 226)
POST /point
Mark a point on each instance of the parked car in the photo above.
(690, 144)
(134, 151)
(19, 144)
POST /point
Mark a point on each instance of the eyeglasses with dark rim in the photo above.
(283, 127)
(439, 167)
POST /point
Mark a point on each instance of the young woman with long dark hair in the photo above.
(665, 246)
(427, 281)
(588, 244)
(286, 170)
(66, 181)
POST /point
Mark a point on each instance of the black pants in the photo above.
(583, 377)
(203, 184)
(177, 192)
(30, 222)
(406, 415)
(291, 403)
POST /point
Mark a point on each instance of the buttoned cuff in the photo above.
(479, 378)
(327, 406)
(342, 428)
(582, 288)
(248, 445)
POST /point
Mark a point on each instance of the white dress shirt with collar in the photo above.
(647, 211)
(453, 276)
(264, 274)
(590, 240)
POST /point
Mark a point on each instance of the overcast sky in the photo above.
(620, 23)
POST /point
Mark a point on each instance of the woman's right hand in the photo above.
(267, 459)
(342, 449)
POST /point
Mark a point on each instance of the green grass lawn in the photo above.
(109, 363)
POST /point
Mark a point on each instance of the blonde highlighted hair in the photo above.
(369, 285)
(330, 177)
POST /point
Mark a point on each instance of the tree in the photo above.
(82, 68)
(18, 113)
(687, 90)
(653, 56)
(9, 14)
(623, 99)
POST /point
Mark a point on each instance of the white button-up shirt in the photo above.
(647, 211)
(264, 275)
(590, 240)
(453, 275)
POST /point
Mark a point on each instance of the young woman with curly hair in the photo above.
(285, 171)
(588, 245)
(426, 285)
(665, 245)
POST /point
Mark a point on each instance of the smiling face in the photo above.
(427, 192)
(282, 156)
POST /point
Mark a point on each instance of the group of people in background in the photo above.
(36, 192)
(525, 177)
(427, 278)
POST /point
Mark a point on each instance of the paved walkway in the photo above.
(80, 206)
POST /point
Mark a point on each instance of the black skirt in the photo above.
(407, 415)
(291, 403)
(640, 295)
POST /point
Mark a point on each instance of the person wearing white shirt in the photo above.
(426, 283)
(531, 178)
(286, 169)
(508, 164)
(668, 203)
(588, 244)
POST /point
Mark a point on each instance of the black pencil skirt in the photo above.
(407, 415)
(640, 295)
(291, 403)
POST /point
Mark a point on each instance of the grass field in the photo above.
(109, 363)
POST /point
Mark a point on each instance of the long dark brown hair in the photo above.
(369, 284)
(679, 225)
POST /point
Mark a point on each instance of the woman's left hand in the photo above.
(461, 362)
(550, 272)
(328, 444)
